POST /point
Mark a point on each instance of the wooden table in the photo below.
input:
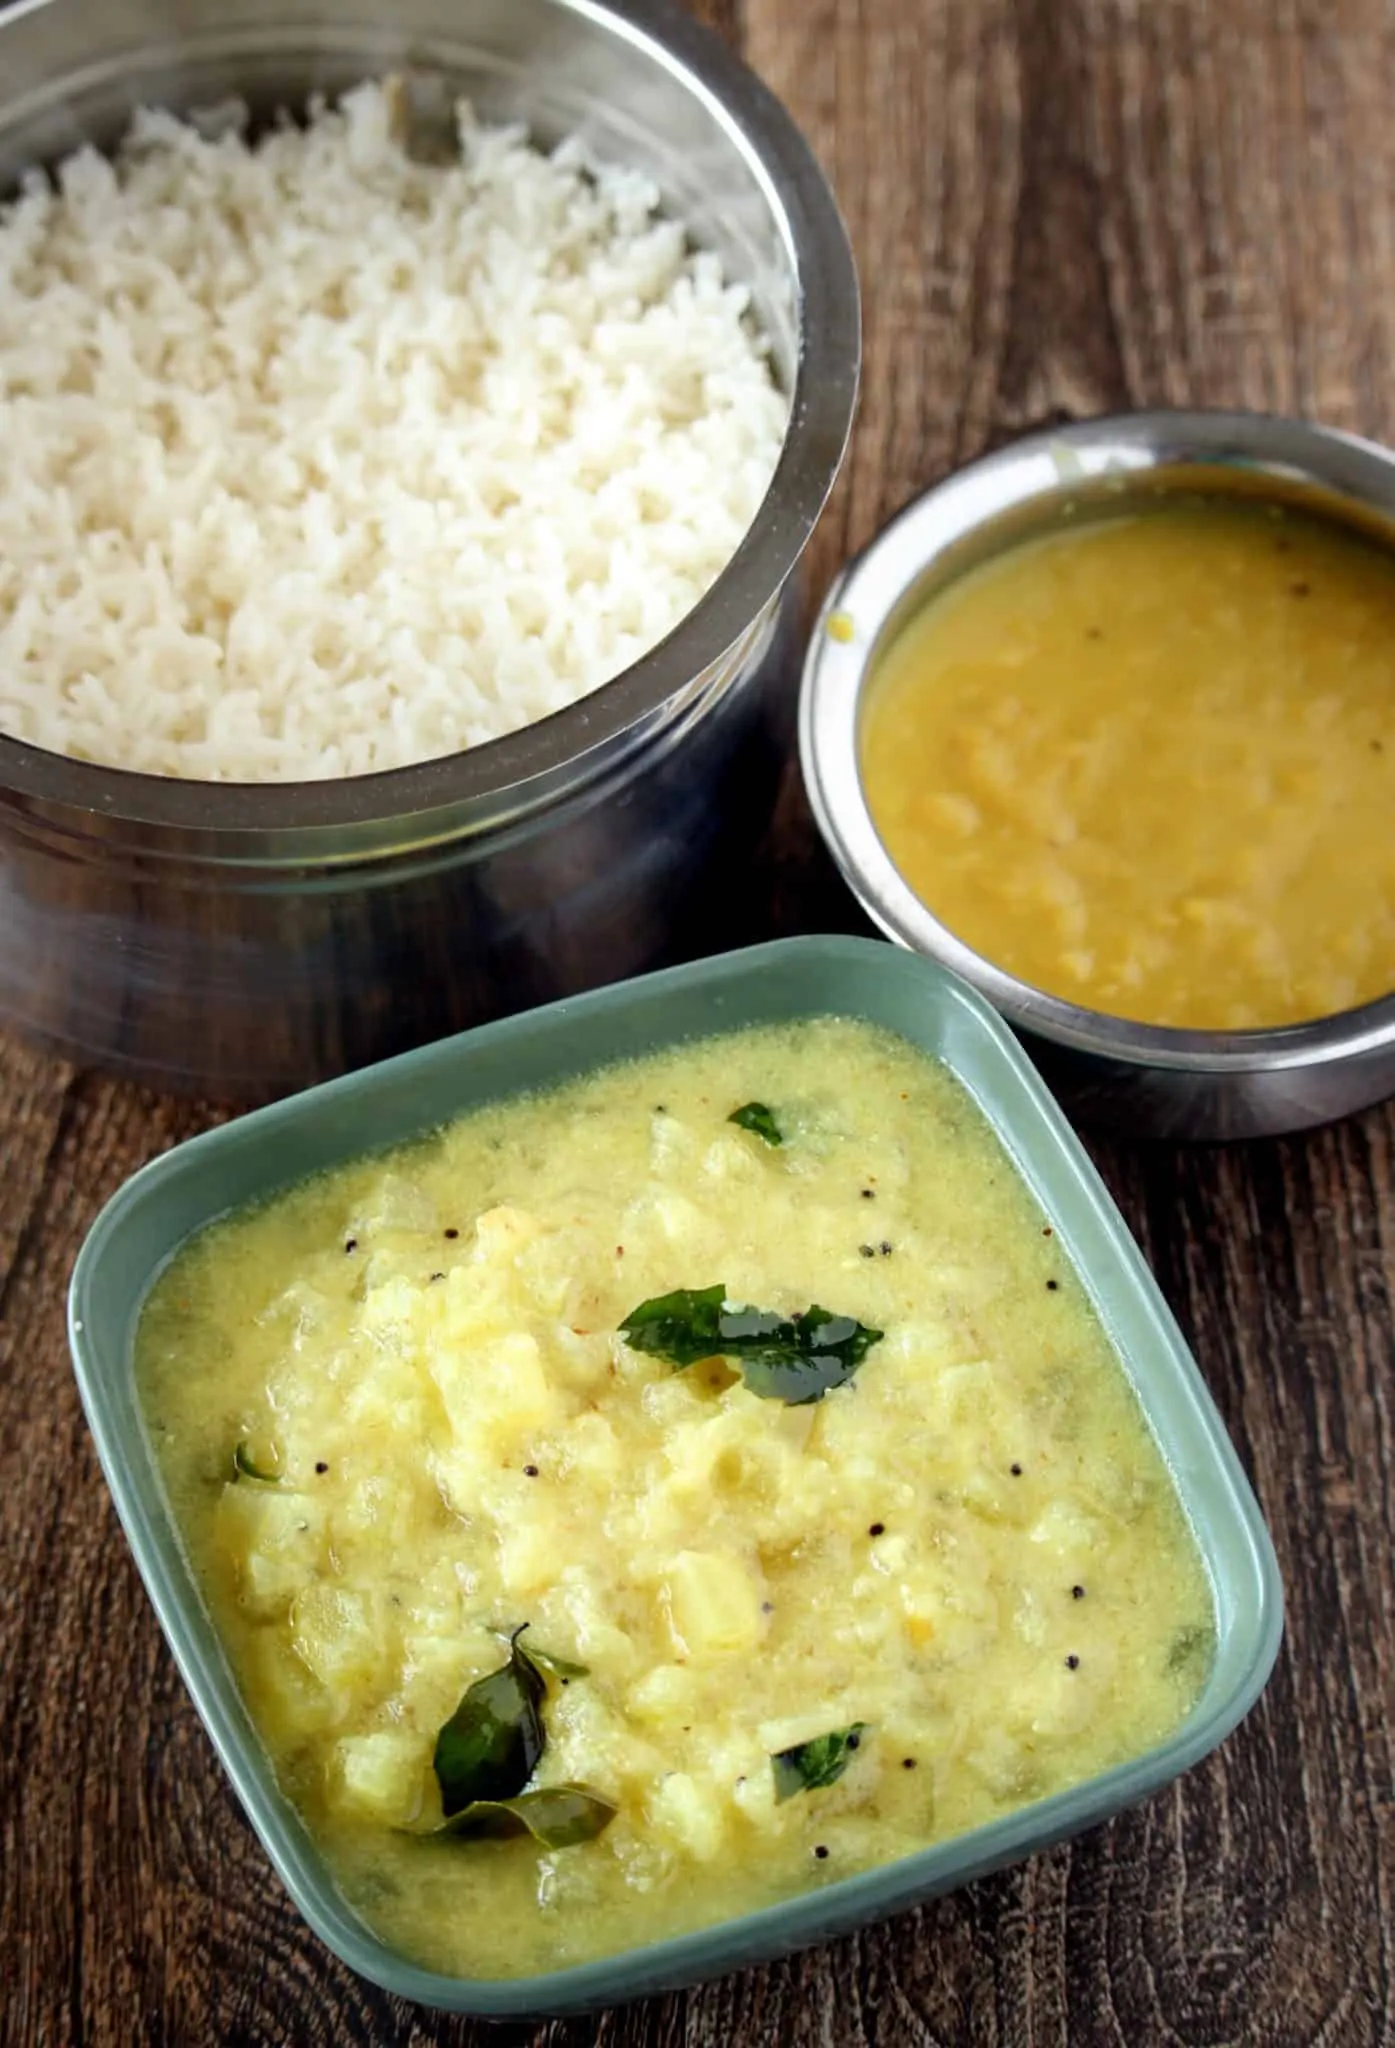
(1059, 206)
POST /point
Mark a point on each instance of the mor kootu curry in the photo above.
(634, 1504)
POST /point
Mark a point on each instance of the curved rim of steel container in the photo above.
(1098, 458)
(523, 767)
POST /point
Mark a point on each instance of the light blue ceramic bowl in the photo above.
(178, 1194)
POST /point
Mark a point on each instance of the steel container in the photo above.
(1136, 1077)
(240, 939)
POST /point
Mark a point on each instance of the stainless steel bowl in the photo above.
(1182, 1084)
(242, 939)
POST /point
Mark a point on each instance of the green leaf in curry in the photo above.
(489, 1748)
(809, 1766)
(804, 1358)
(558, 1816)
(782, 1358)
(245, 1466)
(560, 1667)
(759, 1120)
(548, 1660)
(1191, 1647)
(682, 1328)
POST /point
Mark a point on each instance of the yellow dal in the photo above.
(708, 1555)
(1148, 764)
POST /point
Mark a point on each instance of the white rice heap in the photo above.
(316, 460)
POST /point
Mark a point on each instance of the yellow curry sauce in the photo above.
(1148, 763)
(966, 1562)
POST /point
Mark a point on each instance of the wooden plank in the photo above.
(1058, 206)
(83, 1669)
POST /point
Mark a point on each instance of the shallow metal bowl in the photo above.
(244, 938)
(1162, 1082)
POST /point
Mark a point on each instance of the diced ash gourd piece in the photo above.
(663, 1695)
(1068, 1533)
(954, 1613)
(501, 1233)
(998, 1760)
(292, 1706)
(341, 1634)
(528, 1557)
(437, 1669)
(276, 1541)
(495, 1390)
(593, 1448)
(1059, 1702)
(714, 1604)
(790, 1731)
(391, 1302)
(383, 1775)
(732, 1158)
(662, 1216)
(689, 1815)
(391, 1396)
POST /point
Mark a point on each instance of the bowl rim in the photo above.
(1042, 467)
(1051, 1160)
(822, 403)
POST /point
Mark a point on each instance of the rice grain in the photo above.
(316, 460)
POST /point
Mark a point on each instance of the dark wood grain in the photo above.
(1059, 206)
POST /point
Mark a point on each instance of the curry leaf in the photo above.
(246, 1467)
(548, 1660)
(802, 1359)
(760, 1121)
(1190, 1646)
(683, 1327)
(809, 1766)
(782, 1358)
(490, 1746)
(557, 1816)
(560, 1667)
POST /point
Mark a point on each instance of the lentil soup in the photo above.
(1147, 763)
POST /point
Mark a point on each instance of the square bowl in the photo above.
(176, 1195)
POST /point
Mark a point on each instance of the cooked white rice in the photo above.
(316, 460)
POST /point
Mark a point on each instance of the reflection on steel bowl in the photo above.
(243, 938)
(1153, 1079)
